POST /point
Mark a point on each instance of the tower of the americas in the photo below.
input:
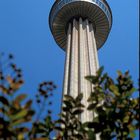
(80, 28)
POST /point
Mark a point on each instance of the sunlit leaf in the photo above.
(119, 73)
(114, 89)
(132, 134)
(3, 89)
(126, 119)
(17, 85)
(9, 79)
(18, 122)
(20, 97)
(19, 115)
(20, 136)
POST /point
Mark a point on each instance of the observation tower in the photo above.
(80, 28)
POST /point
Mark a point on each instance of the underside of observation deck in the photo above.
(64, 11)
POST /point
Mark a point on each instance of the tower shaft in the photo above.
(81, 60)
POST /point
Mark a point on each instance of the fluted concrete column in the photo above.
(81, 60)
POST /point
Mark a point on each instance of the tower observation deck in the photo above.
(80, 27)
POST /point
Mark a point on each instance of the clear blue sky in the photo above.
(24, 31)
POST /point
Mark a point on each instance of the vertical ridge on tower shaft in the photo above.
(74, 61)
(67, 62)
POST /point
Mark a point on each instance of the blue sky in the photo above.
(24, 31)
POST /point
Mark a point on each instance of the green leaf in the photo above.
(133, 90)
(19, 115)
(18, 122)
(48, 120)
(131, 127)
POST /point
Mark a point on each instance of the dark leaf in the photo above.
(68, 104)
(77, 111)
(60, 121)
(67, 97)
(58, 128)
(92, 79)
(100, 71)
(28, 104)
(65, 109)
(4, 101)
(92, 125)
(92, 106)
(91, 135)
(79, 97)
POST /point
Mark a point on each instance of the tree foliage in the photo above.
(114, 103)
(117, 112)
